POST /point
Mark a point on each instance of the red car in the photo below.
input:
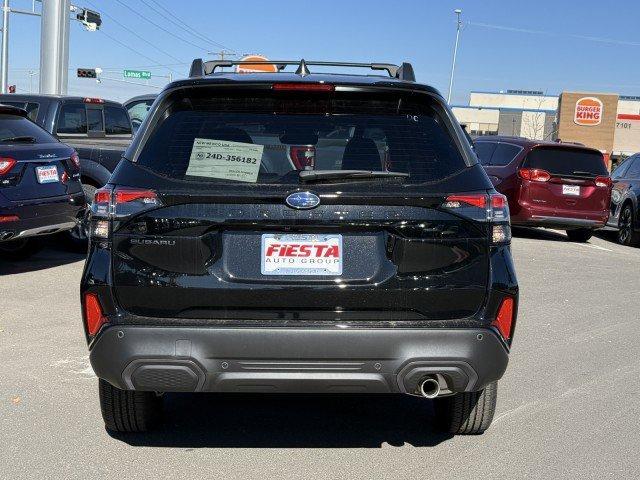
(548, 184)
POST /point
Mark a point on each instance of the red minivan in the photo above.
(556, 185)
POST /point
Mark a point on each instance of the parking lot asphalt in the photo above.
(568, 406)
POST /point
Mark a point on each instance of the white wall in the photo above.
(503, 100)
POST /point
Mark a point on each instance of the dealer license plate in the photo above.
(301, 254)
(48, 174)
(571, 190)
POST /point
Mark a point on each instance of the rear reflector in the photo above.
(93, 313)
(9, 218)
(304, 87)
(6, 164)
(504, 319)
(603, 182)
(534, 174)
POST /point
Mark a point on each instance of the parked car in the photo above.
(138, 108)
(99, 130)
(549, 184)
(40, 191)
(212, 270)
(625, 213)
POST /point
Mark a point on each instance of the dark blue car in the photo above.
(40, 191)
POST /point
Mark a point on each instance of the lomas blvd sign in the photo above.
(139, 74)
(589, 111)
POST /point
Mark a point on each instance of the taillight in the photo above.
(534, 174)
(75, 159)
(304, 87)
(126, 195)
(6, 164)
(604, 182)
(504, 318)
(303, 157)
(93, 315)
(481, 207)
(9, 218)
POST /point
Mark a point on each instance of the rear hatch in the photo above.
(566, 181)
(33, 164)
(211, 223)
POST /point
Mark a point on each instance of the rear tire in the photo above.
(468, 413)
(128, 411)
(580, 234)
(78, 238)
(627, 234)
(19, 249)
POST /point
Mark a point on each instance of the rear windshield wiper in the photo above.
(582, 172)
(319, 175)
(24, 139)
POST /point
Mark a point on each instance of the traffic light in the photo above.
(87, 73)
(90, 19)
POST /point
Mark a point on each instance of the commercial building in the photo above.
(536, 115)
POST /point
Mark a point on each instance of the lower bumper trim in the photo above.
(291, 360)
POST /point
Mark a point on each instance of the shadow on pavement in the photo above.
(53, 254)
(292, 421)
(539, 234)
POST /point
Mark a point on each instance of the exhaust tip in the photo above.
(429, 387)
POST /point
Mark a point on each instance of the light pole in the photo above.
(457, 11)
(5, 46)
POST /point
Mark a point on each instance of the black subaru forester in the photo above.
(299, 232)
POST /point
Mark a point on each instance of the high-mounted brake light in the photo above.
(534, 174)
(603, 182)
(93, 100)
(304, 87)
(504, 318)
(93, 313)
(6, 164)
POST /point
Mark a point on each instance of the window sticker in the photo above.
(225, 160)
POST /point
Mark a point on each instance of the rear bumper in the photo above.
(558, 222)
(41, 217)
(300, 360)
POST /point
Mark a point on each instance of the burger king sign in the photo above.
(589, 111)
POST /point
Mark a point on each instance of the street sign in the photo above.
(139, 74)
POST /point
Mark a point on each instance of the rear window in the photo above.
(116, 121)
(72, 119)
(485, 150)
(14, 129)
(270, 138)
(567, 161)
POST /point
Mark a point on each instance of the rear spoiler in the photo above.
(200, 68)
(11, 110)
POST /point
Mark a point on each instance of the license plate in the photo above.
(301, 254)
(571, 190)
(48, 174)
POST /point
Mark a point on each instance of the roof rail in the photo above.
(199, 68)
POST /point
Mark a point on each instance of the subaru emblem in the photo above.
(303, 200)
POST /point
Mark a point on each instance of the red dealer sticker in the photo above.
(304, 254)
(589, 111)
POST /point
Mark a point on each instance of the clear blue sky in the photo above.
(546, 45)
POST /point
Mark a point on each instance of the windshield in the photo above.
(567, 161)
(271, 138)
